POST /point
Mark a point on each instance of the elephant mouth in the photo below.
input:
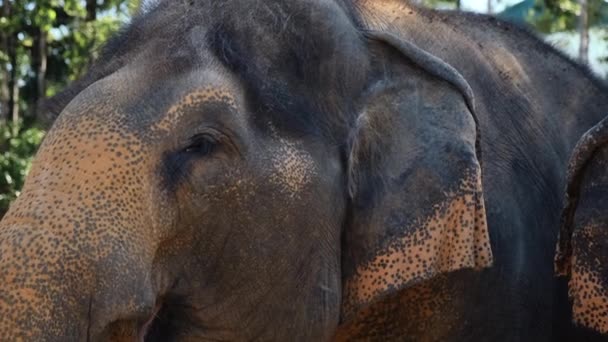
(170, 319)
(150, 322)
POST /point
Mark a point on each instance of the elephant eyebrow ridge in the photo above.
(208, 100)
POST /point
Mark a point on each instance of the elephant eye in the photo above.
(201, 145)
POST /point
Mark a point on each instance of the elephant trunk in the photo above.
(77, 248)
(58, 287)
(74, 262)
(37, 299)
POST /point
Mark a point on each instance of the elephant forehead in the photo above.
(154, 107)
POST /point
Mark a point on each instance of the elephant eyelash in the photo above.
(202, 144)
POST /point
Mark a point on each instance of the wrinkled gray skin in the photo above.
(290, 170)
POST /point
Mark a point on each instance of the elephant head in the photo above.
(582, 250)
(243, 169)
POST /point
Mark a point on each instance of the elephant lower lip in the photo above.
(143, 331)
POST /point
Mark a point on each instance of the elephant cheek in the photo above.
(293, 169)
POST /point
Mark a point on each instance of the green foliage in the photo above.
(73, 40)
(68, 35)
(19, 145)
(550, 16)
(440, 4)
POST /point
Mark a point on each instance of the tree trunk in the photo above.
(91, 10)
(40, 64)
(13, 84)
(490, 7)
(91, 16)
(583, 30)
(458, 5)
(15, 103)
(5, 108)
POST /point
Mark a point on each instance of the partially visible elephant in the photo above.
(301, 170)
(582, 253)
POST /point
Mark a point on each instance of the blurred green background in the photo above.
(46, 44)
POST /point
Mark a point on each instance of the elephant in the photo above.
(582, 250)
(302, 170)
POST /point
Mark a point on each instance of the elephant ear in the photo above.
(582, 249)
(417, 207)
